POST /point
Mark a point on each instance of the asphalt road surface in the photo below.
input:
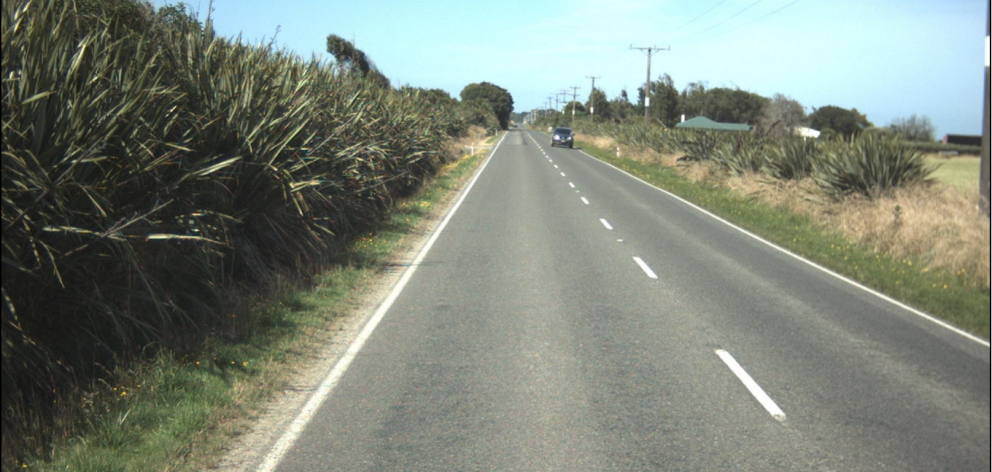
(569, 317)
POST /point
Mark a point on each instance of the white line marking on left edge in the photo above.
(645, 268)
(323, 391)
(606, 224)
(585, 201)
(752, 386)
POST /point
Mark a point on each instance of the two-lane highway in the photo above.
(568, 317)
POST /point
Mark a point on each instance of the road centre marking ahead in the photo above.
(801, 259)
(647, 270)
(606, 224)
(752, 386)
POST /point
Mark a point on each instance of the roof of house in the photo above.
(702, 122)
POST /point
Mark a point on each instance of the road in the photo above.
(569, 317)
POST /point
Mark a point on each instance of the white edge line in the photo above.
(606, 224)
(874, 292)
(752, 386)
(296, 428)
(645, 268)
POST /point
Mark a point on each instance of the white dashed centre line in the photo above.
(606, 224)
(647, 270)
(571, 185)
(562, 174)
(585, 201)
(752, 386)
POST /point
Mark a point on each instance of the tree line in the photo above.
(776, 115)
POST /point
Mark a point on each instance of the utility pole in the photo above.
(592, 106)
(575, 95)
(983, 180)
(647, 83)
(563, 94)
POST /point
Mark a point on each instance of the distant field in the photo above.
(960, 171)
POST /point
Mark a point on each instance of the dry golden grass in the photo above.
(937, 223)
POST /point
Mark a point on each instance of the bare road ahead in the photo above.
(571, 318)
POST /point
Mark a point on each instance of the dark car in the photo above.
(562, 136)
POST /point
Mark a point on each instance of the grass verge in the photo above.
(944, 295)
(959, 171)
(177, 413)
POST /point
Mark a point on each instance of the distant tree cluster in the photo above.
(498, 99)
(776, 116)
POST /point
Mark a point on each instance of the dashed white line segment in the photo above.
(647, 270)
(752, 386)
(606, 224)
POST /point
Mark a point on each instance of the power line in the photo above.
(698, 17)
(731, 30)
(731, 17)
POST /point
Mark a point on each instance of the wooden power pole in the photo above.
(647, 83)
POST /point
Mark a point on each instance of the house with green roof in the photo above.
(704, 123)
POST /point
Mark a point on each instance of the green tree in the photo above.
(353, 59)
(478, 112)
(664, 100)
(599, 105)
(847, 123)
(722, 104)
(620, 108)
(914, 128)
(579, 108)
(500, 100)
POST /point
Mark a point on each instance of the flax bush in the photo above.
(150, 175)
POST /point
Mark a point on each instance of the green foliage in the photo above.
(665, 101)
(847, 123)
(480, 113)
(599, 106)
(869, 165)
(353, 59)
(792, 158)
(148, 176)
(578, 107)
(500, 101)
(914, 128)
(741, 153)
(723, 105)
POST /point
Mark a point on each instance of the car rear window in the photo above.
(563, 131)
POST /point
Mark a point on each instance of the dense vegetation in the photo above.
(869, 164)
(153, 170)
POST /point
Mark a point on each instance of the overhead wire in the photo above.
(731, 30)
(735, 15)
(698, 17)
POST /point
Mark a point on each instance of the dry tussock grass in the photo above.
(936, 223)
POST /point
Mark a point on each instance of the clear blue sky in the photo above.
(888, 58)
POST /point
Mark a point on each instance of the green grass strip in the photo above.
(177, 414)
(941, 294)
